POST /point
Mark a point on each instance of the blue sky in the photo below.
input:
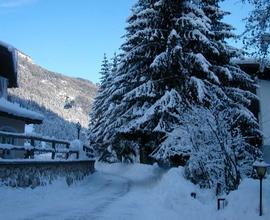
(71, 36)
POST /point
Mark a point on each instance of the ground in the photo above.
(131, 192)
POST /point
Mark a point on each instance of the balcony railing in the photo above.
(34, 145)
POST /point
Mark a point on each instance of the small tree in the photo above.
(100, 106)
(218, 153)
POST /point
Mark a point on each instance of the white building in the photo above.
(264, 116)
(263, 92)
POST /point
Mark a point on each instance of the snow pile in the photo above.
(133, 172)
(160, 194)
(29, 129)
(77, 145)
(174, 193)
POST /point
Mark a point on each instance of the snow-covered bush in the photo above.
(219, 154)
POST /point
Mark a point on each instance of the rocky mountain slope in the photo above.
(63, 100)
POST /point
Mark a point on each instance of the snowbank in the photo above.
(134, 172)
(170, 196)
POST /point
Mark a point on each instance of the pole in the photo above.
(78, 125)
(79, 133)
(260, 196)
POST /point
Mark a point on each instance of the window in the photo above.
(8, 140)
(3, 87)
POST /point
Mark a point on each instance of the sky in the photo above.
(71, 36)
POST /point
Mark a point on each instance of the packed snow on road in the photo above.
(120, 191)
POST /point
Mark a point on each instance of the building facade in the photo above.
(13, 118)
(262, 112)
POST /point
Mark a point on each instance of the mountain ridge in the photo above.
(63, 100)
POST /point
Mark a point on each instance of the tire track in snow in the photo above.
(133, 185)
(102, 193)
(97, 197)
(97, 212)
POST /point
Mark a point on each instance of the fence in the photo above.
(33, 144)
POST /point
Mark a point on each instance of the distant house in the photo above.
(13, 118)
(263, 92)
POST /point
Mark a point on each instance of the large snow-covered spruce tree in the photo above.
(136, 92)
(213, 84)
(176, 64)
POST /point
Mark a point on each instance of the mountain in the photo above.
(63, 100)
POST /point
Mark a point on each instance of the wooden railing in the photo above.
(52, 145)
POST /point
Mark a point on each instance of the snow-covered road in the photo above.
(130, 192)
(89, 199)
(86, 200)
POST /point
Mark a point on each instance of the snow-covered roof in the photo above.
(13, 110)
(245, 60)
(8, 63)
(254, 67)
(260, 164)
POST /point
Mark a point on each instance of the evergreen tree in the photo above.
(100, 106)
(145, 98)
(236, 84)
(176, 63)
(115, 61)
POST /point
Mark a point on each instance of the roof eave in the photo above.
(25, 119)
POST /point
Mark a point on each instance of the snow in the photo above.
(199, 85)
(176, 143)
(16, 110)
(35, 135)
(41, 158)
(29, 129)
(77, 145)
(245, 60)
(11, 146)
(121, 191)
(260, 164)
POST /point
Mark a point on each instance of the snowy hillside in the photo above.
(63, 100)
(138, 192)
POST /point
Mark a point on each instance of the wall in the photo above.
(264, 117)
(35, 173)
(12, 125)
(16, 126)
(3, 87)
(266, 154)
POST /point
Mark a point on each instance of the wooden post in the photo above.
(67, 154)
(53, 152)
(220, 201)
(261, 196)
(32, 151)
(218, 189)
